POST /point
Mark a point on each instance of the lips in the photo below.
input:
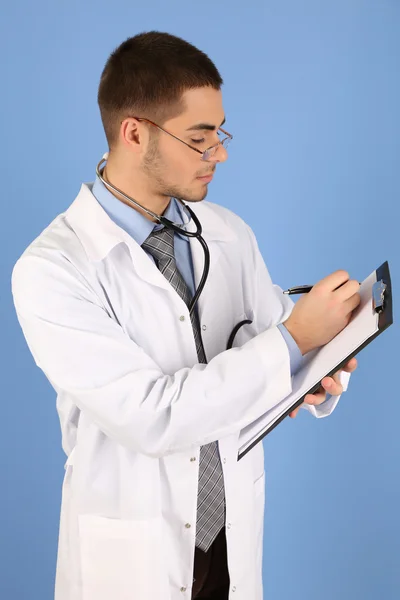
(207, 175)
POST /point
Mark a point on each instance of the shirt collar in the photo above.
(129, 219)
(99, 234)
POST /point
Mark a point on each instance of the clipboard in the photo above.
(373, 316)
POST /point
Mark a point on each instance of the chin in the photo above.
(188, 194)
(197, 196)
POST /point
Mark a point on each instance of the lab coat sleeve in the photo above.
(86, 354)
(262, 318)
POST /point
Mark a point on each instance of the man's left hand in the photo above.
(330, 385)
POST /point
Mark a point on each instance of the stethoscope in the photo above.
(177, 228)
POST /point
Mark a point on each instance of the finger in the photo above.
(352, 303)
(315, 399)
(294, 412)
(332, 385)
(332, 281)
(351, 365)
(347, 290)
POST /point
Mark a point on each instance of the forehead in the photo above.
(201, 105)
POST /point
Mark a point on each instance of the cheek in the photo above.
(180, 164)
(183, 170)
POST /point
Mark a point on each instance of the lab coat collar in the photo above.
(99, 234)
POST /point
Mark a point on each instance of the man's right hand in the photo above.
(317, 317)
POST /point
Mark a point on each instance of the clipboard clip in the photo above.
(378, 296)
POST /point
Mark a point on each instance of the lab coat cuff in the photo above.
(328, 406)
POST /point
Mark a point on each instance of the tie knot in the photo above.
(160, 244)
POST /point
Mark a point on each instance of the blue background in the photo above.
(312, 96)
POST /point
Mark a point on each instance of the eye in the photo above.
(198, 141)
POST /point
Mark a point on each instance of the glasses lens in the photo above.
(211, 151)
(207, 154)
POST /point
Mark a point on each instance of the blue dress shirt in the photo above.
(139, 228)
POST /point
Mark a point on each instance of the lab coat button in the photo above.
(229, 525)
(224, 460)
(183, 589)
(188, 525)
(193, 459)
(234, 589)
(204, 327)
(182, 318)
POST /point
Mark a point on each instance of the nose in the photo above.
(221, 155)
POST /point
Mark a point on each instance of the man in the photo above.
(155, 504)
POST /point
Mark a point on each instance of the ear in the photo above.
(134, 134)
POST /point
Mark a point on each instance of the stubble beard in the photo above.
(154, 168)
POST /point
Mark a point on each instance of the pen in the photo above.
(301, 289)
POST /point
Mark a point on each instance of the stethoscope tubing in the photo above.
(175, 227)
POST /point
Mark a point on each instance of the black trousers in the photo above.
(211, 571)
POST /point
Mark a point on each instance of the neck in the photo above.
(138, 192)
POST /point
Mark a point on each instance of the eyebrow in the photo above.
(204, 126)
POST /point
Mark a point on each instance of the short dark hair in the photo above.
(146, 77)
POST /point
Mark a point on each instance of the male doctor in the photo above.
(155, 504)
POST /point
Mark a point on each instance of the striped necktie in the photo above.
(211, 494)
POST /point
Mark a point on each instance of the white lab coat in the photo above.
(116, 343)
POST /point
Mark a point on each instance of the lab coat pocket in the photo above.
(121, 559)
(244, 332)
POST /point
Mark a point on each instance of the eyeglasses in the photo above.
(205, 154)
